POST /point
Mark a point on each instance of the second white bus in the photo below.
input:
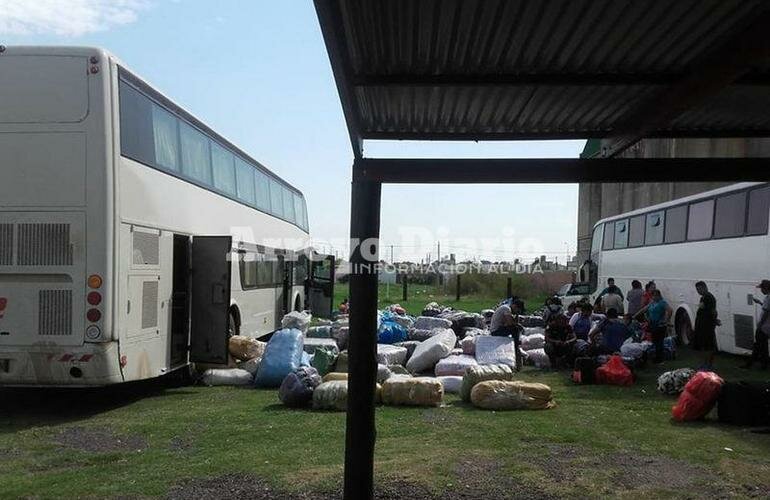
(719, 236)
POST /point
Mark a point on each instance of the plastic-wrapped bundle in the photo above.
(508, 395)
(324, 359)
(390, 354)
(250, 365)
(456, 351)
(408, 391)
(398, 370)
(297, 388)
(673, 382)
(245, 348)
(531, 321)
(474, 332)
(534, 330)
(334, 376)
(700, 394)
(297, 320)
(539, 358)
(481, 373)
(451, 384)
(429, 323)
(496, 350)
(417, 335)
(428, 353)
(632, 350)
(389, 331)
(431, 309)
(283, 355)
(383, 373)
(533, 341)
(319, 332)
(410, 346)
(581, 348)
(341, 334)
(332, 395)
(468, 345)
(454, 365)
(310, 345)
(405, 321)
(614, 372)
(342, 362)
(226, 376)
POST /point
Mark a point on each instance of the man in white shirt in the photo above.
(505, 324)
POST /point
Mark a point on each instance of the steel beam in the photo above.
(362, 342)
(534, 79)
(330, 19)
(560, 170)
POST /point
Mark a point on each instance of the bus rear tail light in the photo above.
(94, 281)
(94, 298)
(94, 315)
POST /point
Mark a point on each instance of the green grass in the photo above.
(420, 295)
(225, 430)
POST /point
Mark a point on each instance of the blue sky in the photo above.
(258, 73)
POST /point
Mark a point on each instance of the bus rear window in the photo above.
(759, 211)
(43, 89)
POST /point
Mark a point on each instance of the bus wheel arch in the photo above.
(683, 326)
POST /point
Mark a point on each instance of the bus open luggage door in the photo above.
(320, 295)
(211, 269)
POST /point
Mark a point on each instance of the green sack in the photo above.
(342, 362)
(323, 360)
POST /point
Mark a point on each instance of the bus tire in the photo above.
(684, 330)
(233, 326)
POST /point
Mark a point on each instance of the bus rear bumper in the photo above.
(88, 365)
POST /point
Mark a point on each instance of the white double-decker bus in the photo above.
(133, 238)
(719, 236)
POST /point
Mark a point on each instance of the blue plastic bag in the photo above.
(391, 332)
(283, 355)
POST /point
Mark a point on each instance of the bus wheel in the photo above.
(684, 332)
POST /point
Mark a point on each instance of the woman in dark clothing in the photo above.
(559, 341)
(706, 321)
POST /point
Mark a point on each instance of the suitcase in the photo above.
(585, 370)
(744, 403)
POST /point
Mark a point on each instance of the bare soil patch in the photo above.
(98, 440)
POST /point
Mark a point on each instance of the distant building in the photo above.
(599, 200)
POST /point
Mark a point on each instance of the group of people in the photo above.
(586, 329)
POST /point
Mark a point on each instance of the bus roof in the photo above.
(678, 201)
(87, 51)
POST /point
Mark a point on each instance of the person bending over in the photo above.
(505, 324)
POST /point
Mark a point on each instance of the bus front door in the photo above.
(321, 285)
(211, 256)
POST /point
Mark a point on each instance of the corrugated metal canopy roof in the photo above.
(550, 69)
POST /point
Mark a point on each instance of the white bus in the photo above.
(719, 236)
(132, 236)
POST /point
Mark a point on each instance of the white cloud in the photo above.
(66, 17)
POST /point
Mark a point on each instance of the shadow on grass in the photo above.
(22, 408)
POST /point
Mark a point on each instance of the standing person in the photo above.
(658, 314)
(649, 288)
(634, 298)
(612, 300)
(760, 350)
(505, 324)
(611, 288)
(706, 321)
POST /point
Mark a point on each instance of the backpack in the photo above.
(584, 372)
